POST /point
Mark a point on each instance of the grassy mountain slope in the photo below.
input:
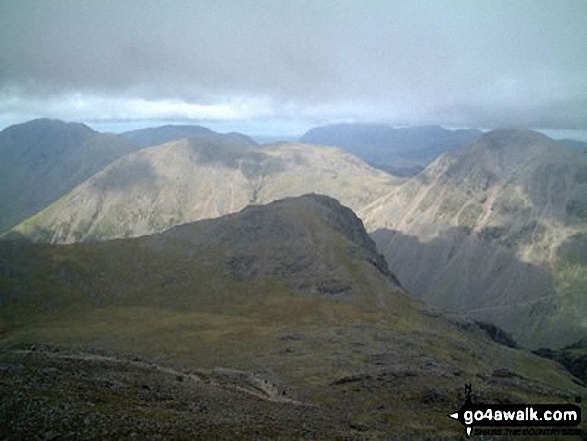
(42, 160)
(403, 151)
(286, 312)
(159, 187)
(160, 135)
(573, 357)
(498, 231)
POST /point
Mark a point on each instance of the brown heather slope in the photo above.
(279, 321)
(497, 231)
(179, 182)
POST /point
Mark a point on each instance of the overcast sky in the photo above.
(287, 65)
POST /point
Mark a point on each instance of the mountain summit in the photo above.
(290, 241)
(497, 230)
(159, 187)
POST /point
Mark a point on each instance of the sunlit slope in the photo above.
(496, 230)
(42, 160)
(157, 188)
(293, 292)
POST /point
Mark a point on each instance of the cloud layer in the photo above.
(469, 63)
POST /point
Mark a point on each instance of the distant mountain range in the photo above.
(286, 310)
(497, 231)
(401, 151)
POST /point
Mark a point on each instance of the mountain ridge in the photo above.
(401, 151)
(153, 136)
(153, 189)
(515, 194)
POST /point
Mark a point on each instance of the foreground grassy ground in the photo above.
(351, 371)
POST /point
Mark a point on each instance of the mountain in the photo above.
(497, 231)
(280, 321)
(573, 143)
(573, 357)
(183, 181)
(401, 151)
(160, 135)
(43, 159)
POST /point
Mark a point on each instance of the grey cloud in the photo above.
(568, 114)
(414, 61)
(182, 49)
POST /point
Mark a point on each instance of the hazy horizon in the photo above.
(273, 132)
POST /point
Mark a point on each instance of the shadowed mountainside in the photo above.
(277, 310)
(573, 143)
(159, 187)
(573, 357)
(400, 151)
(464, 274)
(43, 159)
(497, 230)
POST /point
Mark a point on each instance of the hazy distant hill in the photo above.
(42, 160)
(403, 151)
(573, 143)
(160, 135)
(159, 187)
(277, 321)
(498, 230)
